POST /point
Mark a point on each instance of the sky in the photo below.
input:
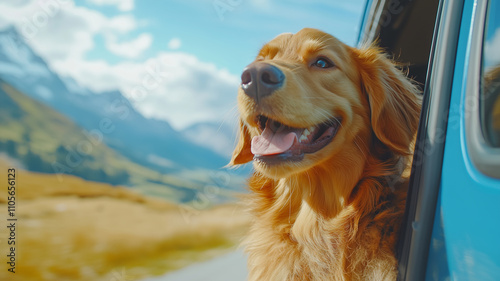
(175, 60)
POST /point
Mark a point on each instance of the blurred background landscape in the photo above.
(119, 117)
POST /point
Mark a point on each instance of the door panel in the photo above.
(470, 199)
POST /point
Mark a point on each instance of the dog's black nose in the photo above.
(260, 79)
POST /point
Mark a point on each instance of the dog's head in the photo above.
(310, 100)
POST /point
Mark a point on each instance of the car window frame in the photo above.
(424, 184)
(483, 156)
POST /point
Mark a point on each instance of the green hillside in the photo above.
(46, 141)
(80, 230)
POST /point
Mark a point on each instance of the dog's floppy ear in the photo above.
(242, 153)
(394, 100)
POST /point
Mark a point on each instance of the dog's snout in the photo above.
(260, 79)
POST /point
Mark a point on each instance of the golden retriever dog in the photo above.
(328, 127)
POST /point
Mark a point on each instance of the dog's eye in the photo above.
(322, 63)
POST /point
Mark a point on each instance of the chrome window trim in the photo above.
(484, 157)
(369, 31)
(428, 158)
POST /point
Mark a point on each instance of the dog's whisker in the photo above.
(231, 113)
(310, 184)
(356, 143)
(325, 114)
(290, 205)
(312, 97)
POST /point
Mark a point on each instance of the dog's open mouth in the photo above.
(279, 142)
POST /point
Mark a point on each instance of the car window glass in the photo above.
(490, 92)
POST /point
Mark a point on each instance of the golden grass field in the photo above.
(79, 230)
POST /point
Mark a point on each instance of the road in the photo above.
(230, 267)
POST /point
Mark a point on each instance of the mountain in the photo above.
(219, 137)
(43, 140)
(148, 142)
(46, 141)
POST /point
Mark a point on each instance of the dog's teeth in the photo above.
(311, 129)
(305, 135)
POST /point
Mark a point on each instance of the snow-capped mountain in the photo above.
(220, 137)
(142, 140)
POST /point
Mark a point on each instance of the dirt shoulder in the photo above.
(79, 230)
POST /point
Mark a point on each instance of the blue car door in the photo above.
(465, 241)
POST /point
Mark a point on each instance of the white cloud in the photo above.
(122, 5)
(121, 24)
(174, 44)
(172, 86)
(130, 49)
(59, 30)
(192, 91)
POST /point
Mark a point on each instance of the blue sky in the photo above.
(213, 29)
(197, 48)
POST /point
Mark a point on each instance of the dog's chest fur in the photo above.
(305, 245)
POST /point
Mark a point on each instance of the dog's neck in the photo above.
(351, 187)
(301, 213)
(316, 204)
(327, 190)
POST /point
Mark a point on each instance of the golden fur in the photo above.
(334, 215)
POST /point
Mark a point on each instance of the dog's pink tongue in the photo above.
(270, 142)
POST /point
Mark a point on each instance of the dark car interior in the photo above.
(404, 29)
